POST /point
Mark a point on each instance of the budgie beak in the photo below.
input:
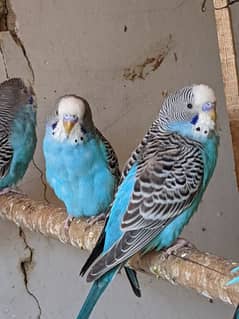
(209, 108)
(68, 126)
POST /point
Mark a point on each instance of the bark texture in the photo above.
(189, 267)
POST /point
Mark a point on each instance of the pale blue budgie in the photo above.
(81, 165)
(17, 131)
(161, 186)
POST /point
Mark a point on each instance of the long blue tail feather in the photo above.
(96, 291)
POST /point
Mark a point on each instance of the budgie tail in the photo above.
(96, 291)
(131, 274)
(132, 277)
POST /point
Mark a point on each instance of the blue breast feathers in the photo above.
(79, 175)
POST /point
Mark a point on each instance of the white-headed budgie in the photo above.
(81, 165)
(161, 186)
(17, 131)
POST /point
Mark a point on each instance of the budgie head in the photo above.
(74, 119)
(15, 94)
(190, 111)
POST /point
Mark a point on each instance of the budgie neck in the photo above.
(201, 130)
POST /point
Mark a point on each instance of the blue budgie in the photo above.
(81, 165)
(17, 131)
(160, 189)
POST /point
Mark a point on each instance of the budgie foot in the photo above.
(95, 219)
(7, 190)
(178, 244)
(68, 222)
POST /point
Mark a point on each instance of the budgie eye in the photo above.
(30, 100)
(189, 106)
(75, 118)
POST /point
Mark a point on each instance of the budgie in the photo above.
(161, 186)
(17, 131)
(81, 165)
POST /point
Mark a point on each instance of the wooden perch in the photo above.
(190, 268)
(229, 72)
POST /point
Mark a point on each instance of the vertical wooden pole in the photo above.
(229, 73)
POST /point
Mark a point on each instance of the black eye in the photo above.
(189, 106)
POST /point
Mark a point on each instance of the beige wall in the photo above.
(83, 47)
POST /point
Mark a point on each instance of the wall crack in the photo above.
(19, 43)
(25, 266)
(8, 23)
(3, 15)
(4, 60)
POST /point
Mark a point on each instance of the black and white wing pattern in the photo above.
(135, 156)
(6, 153)
(13, 94)
(111, 156)
(168, 178)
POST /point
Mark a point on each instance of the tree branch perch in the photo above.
(227, 55)
(190, 268)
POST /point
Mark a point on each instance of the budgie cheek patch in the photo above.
(204, 125)
(76, 137)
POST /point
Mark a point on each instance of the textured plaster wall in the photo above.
(122, 56)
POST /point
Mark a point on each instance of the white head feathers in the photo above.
(74, 109)
(203, 94)
(71, 105)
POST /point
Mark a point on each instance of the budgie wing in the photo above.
(169, 177)
(10, 98)
(135, 156)
(13, 94)
(111, 156)
(6, 153)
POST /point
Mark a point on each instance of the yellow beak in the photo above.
(212, 114)
(68, 126)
